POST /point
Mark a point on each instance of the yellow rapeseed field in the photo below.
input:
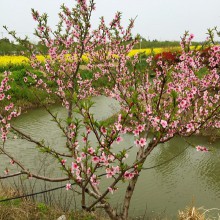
(19, 60)
(13, 60)
(149, 51)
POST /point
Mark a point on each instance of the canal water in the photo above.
(190, 177)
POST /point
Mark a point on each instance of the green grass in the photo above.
(24, 94)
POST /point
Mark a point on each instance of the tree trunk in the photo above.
(128, 195)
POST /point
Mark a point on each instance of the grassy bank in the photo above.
(26, 209)
(24, 94)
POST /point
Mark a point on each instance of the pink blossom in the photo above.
(94, 180)
(140, 128)
(136, 132)
(103, 130)
(216, 48)
(137, 142)
(63, 162)
(95, 159)
(84, 140)
(91, 150)
(2, 96)
(68, 186)
(118, 126)
(83, 155)
(6, 171)
(110, 172)
(111, 157)
(119, 118)
(128, 175)
(75, 145)
(163, 123)
(72, 135)
(79, 178)
(74, 166)
(119, 139)
(78, 159)
(189, 127)
(72, 126)
(110, 190)
(88, 130)
(142, 142)
(201, 148)
(116, 169)
(191, 36)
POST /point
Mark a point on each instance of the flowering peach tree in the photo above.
(180, 98)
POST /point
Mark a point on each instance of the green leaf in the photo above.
(174, 95)
(202, 72)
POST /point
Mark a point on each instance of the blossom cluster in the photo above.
(158, 100)
(9, 111)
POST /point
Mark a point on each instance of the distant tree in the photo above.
(6, 47)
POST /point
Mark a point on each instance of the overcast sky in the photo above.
(156, 19)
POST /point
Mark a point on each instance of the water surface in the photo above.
(164, 189)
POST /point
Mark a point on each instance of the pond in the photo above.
(191, 176)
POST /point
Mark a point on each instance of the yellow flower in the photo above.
(13, 60)
(149, 51)
(19, 60)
